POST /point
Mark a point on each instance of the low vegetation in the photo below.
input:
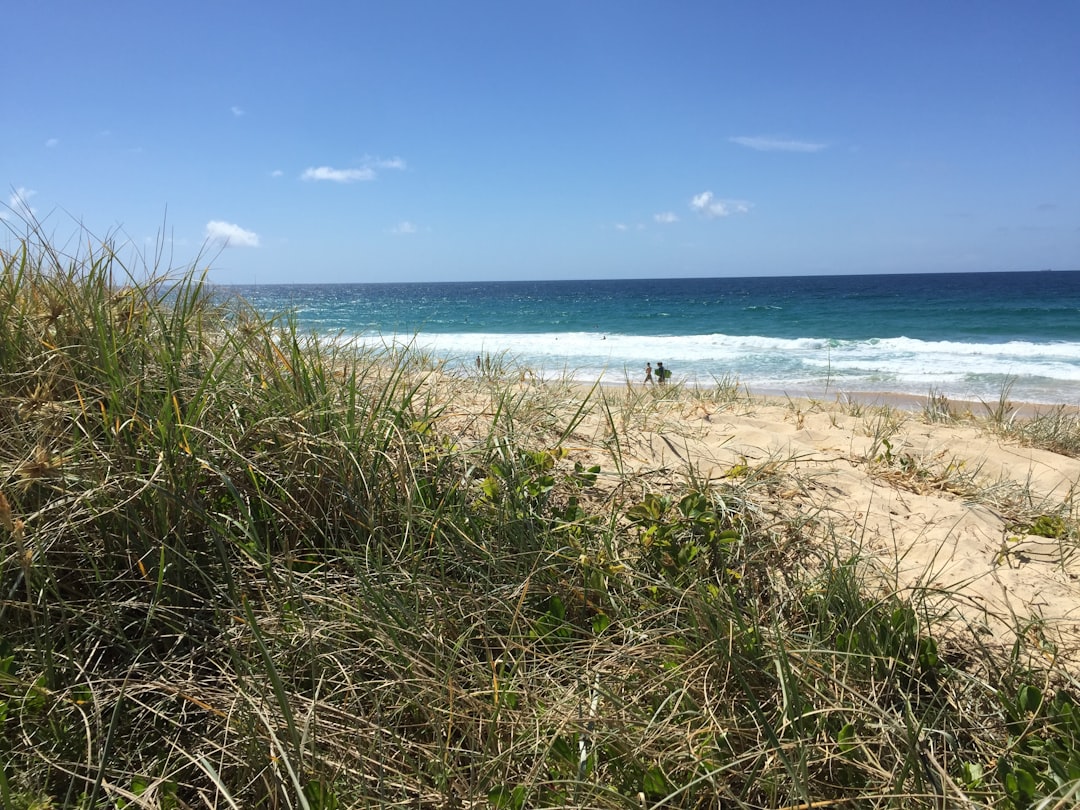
(243, 568)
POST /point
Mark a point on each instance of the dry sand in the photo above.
(939, 513)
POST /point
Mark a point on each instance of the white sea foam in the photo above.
(1038, 372)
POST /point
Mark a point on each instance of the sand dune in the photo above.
(940, 510)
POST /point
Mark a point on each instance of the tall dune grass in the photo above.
(241, 568)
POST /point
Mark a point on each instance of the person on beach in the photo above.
(661, 373)
(648, 373)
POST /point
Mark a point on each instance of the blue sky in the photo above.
(412, 141)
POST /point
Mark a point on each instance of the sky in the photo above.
(421, 141)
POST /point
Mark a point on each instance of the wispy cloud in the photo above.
(18, 205)
(276, 173)
(403, 228)
(238, 112)
(763, 143)
(384, 163)
(52, 143)
(367, 170)
(621, 226)
(338, 175)
(709, 206)
(665, 217)
(230, 235)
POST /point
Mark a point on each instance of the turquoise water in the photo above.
(964, 335)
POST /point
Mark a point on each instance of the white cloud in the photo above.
(621, 226)
(276, 173)
(238, 112)
(707, 205)
(339, 175)
(665, 217)
(230, 235)
(764, 143)
(369, 167)
(18, 205)
(403, 228)
(52, 142)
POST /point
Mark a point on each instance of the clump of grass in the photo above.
(937, 407)
(1001, 412)
(881, 424)
(242, 567)
(1057, 430)
(725, 389)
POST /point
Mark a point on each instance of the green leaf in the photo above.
(1025, 780)
(845, 738)
(653, 783)
(491, 487)
(557, 607)
(563, 749)
(973, 774)
(319, 796)
(585, 477)
(506, 797)
(1029, 698)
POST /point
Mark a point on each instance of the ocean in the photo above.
(964, 335)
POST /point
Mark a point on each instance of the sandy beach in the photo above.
(943, 511)
(950, 512)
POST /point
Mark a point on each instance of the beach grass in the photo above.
(243, 567)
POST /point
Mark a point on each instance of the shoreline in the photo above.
(913, 403)
(1007, 394)
(1051, 377)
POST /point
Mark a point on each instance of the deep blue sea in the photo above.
(964, 335)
